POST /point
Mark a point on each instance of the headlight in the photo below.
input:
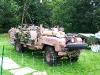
(72, 40)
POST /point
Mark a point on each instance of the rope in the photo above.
(2, 59)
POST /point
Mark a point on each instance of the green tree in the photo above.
(32, 11)
(78, 15)
(8, 13)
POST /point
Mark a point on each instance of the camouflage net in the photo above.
(23, 36)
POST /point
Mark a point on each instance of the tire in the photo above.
(59, 57)
(50, 56)
(75, 46)
(73, 56)
(73, 59)
(18, 46)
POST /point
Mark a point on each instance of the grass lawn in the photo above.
(88, 63)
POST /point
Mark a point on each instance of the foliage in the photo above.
(34, 12)
(78, 15)
(73, 15)
(40, 12)
(8, 13)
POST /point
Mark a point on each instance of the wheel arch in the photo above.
(45, 45)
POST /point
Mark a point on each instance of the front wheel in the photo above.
(50, 56)
(18, 46)
(73, 59)
(73, 55)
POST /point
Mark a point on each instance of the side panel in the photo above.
(52, 41)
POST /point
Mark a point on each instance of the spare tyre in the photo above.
(76, 46)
